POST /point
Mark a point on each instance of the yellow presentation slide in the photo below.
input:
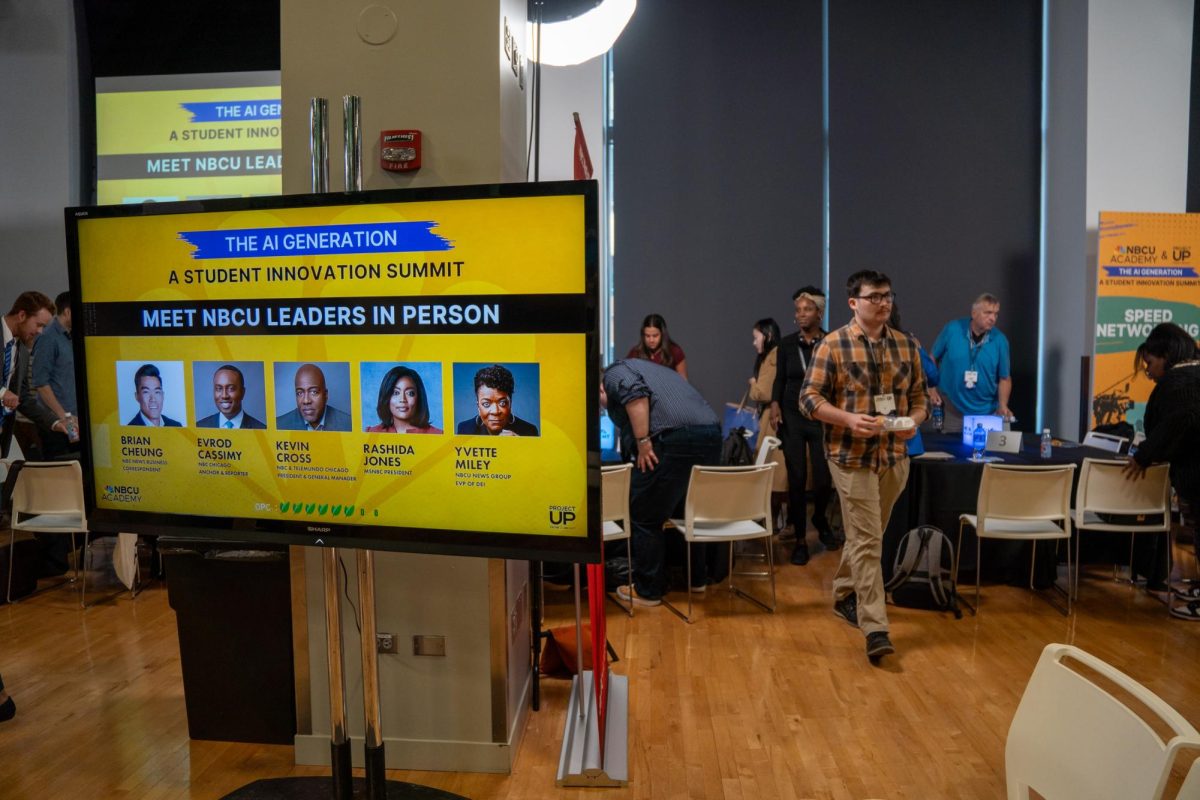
(369, 367)
(188, 137)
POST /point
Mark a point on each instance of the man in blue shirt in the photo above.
(54, 376)
(670, 427)
(973, 359)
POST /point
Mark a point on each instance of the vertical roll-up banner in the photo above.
(1146, 274)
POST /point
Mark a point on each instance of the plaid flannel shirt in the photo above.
(847, 374)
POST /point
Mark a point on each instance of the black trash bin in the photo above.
(233, 610)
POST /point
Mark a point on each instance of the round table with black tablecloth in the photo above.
(938, 491)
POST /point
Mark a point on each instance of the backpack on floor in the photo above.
(922, 575)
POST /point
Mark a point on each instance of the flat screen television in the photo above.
(406, 370)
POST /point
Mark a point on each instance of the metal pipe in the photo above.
(579, 645)
(352, 128)
(537, 94)
(373, 734)
(339, 743)
(318, 143)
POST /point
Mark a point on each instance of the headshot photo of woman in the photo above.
(403, 404)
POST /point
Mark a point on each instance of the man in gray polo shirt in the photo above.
(54, 376)
(671, 428)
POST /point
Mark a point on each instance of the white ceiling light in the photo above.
(581, 38)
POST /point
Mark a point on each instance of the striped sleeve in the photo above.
(818, 387)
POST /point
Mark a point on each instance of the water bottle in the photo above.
(72, 426)
(978, 442)
(1047, 443)
(939, 419)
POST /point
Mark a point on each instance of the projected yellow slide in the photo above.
(412, 365)
(185, 137)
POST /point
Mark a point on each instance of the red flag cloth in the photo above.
(583, 162)
(596, 609)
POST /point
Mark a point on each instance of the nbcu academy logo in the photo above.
(122, 494)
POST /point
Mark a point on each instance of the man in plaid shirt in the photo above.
(860, 374)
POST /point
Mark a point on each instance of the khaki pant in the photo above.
(867, 500)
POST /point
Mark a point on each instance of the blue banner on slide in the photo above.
(233, 110)
(382, 237)
(1150, 272)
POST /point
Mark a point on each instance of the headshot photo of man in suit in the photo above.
(148, 391)
(313, 411)
(228, 392)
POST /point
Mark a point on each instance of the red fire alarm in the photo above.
(400, 151)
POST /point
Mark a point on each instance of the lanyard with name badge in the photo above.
(971, 375)
(884, 402)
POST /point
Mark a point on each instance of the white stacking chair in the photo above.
(1104, 441)
(769, 451)
(1022, 503)
(766, 445)
(729, 504)
(614, 512)
(1103, 489)
(48, 498)
(1072, 737)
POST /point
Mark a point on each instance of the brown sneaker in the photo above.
(636, 599)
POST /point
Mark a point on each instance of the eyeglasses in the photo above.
(878, 298)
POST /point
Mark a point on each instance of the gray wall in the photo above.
(39, 162)
(935, 113)
(1068, 297)
(717, 176)
(934, 172)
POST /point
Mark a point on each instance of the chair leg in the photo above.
(629, 572)
(1054, 585)
(87, 558)
(770, 559)
(957, 561)
(1079, 558)
(1132, 579)
(771, 568)
(12, 558)
(978, 553)
(1170, 570)
(1069, 573)
(1032, 563)
(688, 547)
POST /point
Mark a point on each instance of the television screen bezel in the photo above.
(444, 541)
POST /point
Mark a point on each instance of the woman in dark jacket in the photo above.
(1172, 425)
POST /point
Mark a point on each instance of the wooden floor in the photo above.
(741, 705)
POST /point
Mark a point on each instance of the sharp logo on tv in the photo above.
(253, 365)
